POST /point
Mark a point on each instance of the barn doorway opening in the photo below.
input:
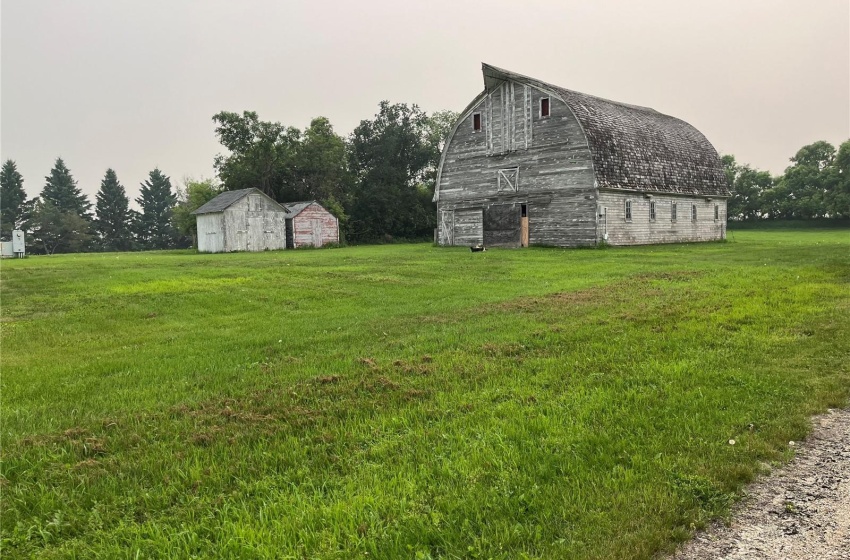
(523, 226)
(503, 225)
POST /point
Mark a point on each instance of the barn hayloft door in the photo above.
(508, 179)
(447, 223)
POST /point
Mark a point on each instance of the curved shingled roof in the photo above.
(636, 148)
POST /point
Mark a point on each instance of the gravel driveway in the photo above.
(799, 511)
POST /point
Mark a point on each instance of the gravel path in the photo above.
(799, 511)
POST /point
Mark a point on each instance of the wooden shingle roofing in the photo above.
(635, 148)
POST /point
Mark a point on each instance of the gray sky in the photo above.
(133, 84)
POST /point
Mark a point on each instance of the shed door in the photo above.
(447, 223)
(256, 232)
(317, 233)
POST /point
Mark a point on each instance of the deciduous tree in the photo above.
(321, 171)
(261, 153)
(55, 231)
(191, 197)
(750, 191)
(393, 161)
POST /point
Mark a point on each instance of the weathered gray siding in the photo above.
(254, 224)
(641, 230)
(211, 232)
(555, 174)
(468, 227)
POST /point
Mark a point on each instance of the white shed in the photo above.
(243, 220)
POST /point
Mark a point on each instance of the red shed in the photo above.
(308, 224)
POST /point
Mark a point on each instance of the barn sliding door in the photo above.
(468, 227)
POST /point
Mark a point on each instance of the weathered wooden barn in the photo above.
(532, 163)
(309, 224)
(243, 220)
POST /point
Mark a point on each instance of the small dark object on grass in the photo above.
(477, 248)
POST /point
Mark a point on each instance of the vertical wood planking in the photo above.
(556, 172)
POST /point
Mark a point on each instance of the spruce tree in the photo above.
(12, 198)
(155, 226)
(61, 191)
(113, 214)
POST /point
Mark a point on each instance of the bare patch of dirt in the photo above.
(369, 362)
(800, 511)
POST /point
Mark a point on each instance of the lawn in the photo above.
(408, 401)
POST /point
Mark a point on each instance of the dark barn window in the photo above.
(652, 211)
(716, 212)
(628, 210)
(544, 106)
(673, 212)
(694, 212)
(476, 122)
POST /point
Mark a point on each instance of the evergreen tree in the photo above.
(12, 198)
(113, 214)
(62, 192)
(155, 225)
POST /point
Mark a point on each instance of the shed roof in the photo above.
(228, 199)
(295, 208)
(633, 147)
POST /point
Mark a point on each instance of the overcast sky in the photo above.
(133, 84)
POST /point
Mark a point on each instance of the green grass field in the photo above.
(408, 401)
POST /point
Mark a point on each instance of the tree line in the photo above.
(815, 186)
(379, 181)
(62, 219)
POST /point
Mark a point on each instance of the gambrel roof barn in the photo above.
(533, 163)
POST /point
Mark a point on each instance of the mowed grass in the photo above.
(408, 401)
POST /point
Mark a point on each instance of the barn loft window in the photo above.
(476, 122)
(652, 211)
(716, 212)
(628, 210)
(544, 106)
(673, 212)
(694, 212)
(508, 179)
